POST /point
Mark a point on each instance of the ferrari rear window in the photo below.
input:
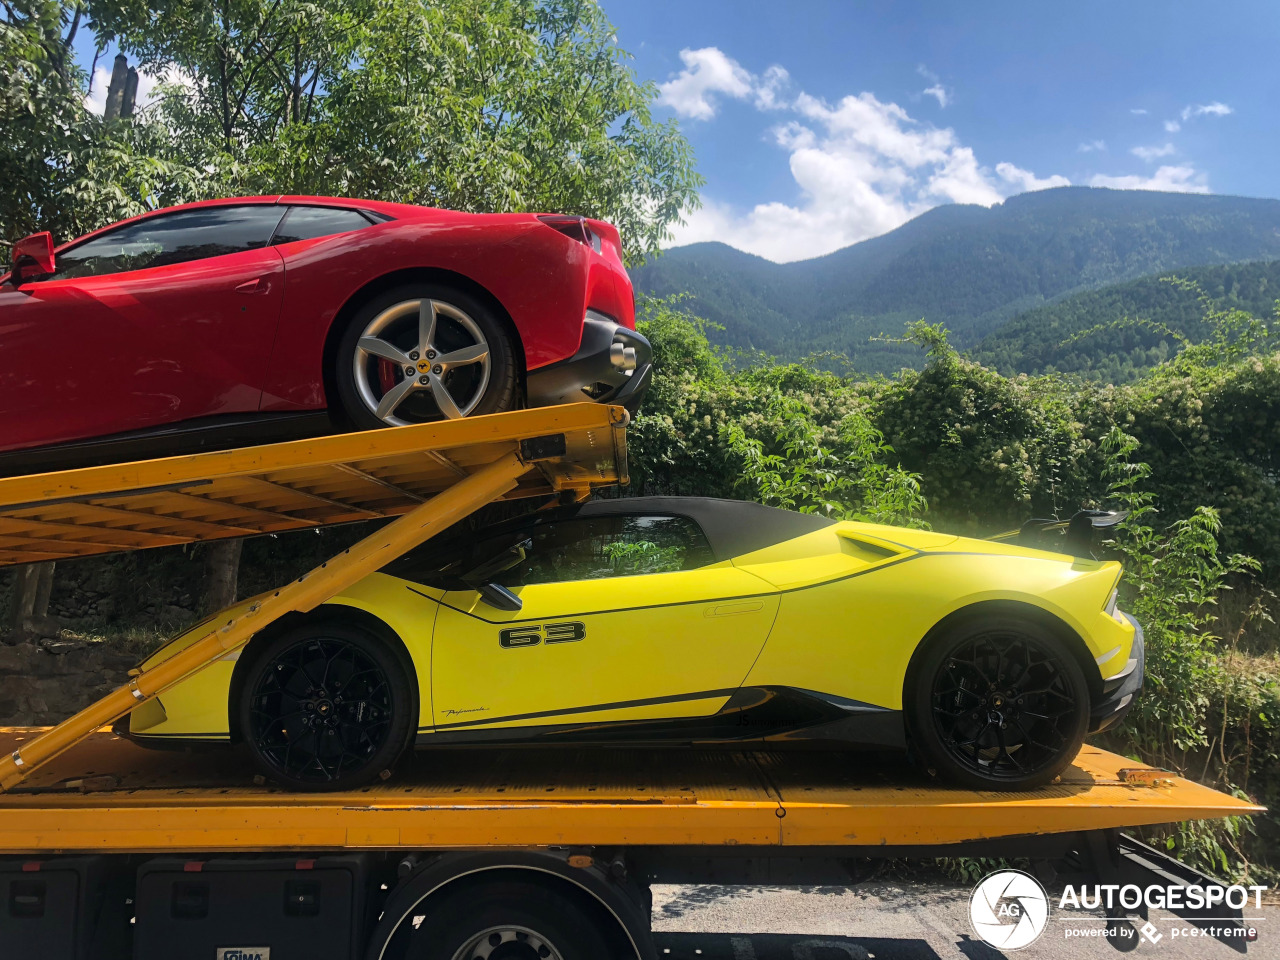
(308, 223)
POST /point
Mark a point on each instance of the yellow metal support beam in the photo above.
(487, 483)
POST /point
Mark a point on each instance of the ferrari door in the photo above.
(160, 320)
(623, 618)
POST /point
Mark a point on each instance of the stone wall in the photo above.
(44, 682)
(55, 665)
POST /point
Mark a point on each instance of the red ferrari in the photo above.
(260, 318)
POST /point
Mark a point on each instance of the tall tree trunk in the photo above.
(221, 574)
(44, 590)
(32, 585)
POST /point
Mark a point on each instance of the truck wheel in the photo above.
(421, 353)
(326, 707)
(508, 920)
(998, 703)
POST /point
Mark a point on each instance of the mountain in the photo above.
(972, 268)
(1048, 338)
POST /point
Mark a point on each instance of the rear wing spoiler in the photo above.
(1074, 536)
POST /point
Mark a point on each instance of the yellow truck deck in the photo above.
(110, 795)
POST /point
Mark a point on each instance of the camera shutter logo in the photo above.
(1009, 909)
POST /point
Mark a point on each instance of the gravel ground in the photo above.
(893, 921)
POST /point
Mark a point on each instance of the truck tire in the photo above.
(326, 706)
(997, 703)
(508, 920)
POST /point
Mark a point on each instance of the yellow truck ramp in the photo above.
(279, 487)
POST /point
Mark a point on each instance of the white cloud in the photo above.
(1026, 181)
(936, 90)
(1139, 111)
(1181, 179)
(861, 166)
(1154, 153)
(1215, 109)
(1191, 112)
(706, 72)
(939, 93)
(961, 180)
(1090, 146)
(95, 100)
(769, 87)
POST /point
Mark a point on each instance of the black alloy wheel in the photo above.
(326, 707)
(999, 704)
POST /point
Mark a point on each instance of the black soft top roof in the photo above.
(733, 527)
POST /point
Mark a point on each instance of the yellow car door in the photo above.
(622, 618)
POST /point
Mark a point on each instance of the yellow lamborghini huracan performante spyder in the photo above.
(672, 620)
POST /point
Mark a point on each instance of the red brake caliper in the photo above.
(386, 374)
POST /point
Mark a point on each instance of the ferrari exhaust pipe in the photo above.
(622, 357)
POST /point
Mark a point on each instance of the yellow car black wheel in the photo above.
(326, 707)
(999, 703)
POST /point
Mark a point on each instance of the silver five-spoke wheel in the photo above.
(420, 360)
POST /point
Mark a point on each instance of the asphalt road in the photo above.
(889, 921)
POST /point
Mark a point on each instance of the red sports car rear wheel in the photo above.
(422, 353)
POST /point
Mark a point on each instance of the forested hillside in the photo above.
(1116, 333)
(968, 267)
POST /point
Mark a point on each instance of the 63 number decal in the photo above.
(533, 634)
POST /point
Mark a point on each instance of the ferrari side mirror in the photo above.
(32, 257)
(496, 595)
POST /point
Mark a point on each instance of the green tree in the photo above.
(64, 169)
(481, 105)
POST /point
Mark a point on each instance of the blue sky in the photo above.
(818, 124)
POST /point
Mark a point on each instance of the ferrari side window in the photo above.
(599, 547)
(308, 223)
(172, 238)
